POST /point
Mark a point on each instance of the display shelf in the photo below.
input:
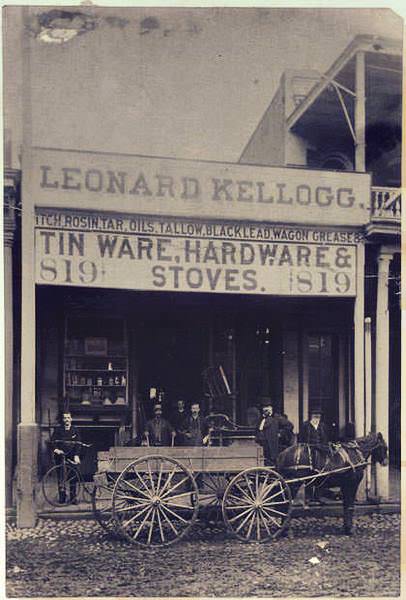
(94, 385)
(96, 370)
(95, 350)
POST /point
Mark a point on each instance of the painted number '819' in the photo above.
(322, 282)
(65, 271)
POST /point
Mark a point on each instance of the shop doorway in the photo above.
(172, 354)
(322, 378)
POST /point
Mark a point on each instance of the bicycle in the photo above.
(62, 477)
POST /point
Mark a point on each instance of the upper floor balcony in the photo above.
(386, 210)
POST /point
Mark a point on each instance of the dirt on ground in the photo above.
(77, 558)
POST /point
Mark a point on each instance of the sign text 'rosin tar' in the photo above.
(163, 254)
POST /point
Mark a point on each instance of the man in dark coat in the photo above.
(195, 428)
(158, 431)
(65, 442)
(178, 417)
(314, 431)
(271, 428)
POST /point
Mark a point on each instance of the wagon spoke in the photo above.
(177, 495)
(263, 486)
(248, 534)
(151, 526)
(151, 478)
(267, 498)
(278, 512)
(181, 506)
(143, 523)
(161, 531)
(134, 507)
(173, 513)
(244, 493)
(206, 483)
(137, 515)
(270, 503)
(265, 523)
(258, 527)
(239, 499)
(174, 487)
(239, 507)
(158, 484)
(168, 480)
(245, 520)
(137, 489)
(165, 516)
(132, 498)
(271, 518)
(249, 485)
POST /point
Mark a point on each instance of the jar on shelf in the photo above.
(99, 381)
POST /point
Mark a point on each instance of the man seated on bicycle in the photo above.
(66, 446)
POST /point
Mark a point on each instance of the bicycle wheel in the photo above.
(102, 501)
(59, 483)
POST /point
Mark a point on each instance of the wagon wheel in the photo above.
(155, 501)
(102, 501)
(211, 492)
(257, 505)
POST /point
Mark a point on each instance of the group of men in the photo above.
(275, 432)
(187, 429)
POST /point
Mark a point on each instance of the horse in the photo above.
(342, 464)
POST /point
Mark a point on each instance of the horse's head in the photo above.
(379, 451)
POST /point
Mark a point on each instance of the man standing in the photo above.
(270, 429)
(178, 419)
(66, 444)
(195, 428)
(158, 431)
(314, 431)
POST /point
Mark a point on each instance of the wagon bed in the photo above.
(153, 496)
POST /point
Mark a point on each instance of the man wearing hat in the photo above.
(314, 431)
(158, 431)
(270, 430)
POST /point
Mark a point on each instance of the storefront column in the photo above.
(359, 362)
(382, 366)
(28, 430)
(368, 396)
(10, 205)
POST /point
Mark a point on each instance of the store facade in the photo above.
(143, 273)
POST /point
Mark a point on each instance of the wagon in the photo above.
(153, 496)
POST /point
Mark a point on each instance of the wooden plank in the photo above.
(199, 459)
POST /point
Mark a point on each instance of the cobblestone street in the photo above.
(77, 558)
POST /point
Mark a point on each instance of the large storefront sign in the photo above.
(141, 185)
(164, 254)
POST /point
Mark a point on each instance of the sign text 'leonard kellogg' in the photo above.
(185, 188)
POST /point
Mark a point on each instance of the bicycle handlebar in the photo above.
(73, 442)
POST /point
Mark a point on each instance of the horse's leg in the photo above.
(349, 488)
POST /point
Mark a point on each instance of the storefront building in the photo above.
(143, 273)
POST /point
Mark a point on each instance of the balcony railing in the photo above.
(386, 204)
